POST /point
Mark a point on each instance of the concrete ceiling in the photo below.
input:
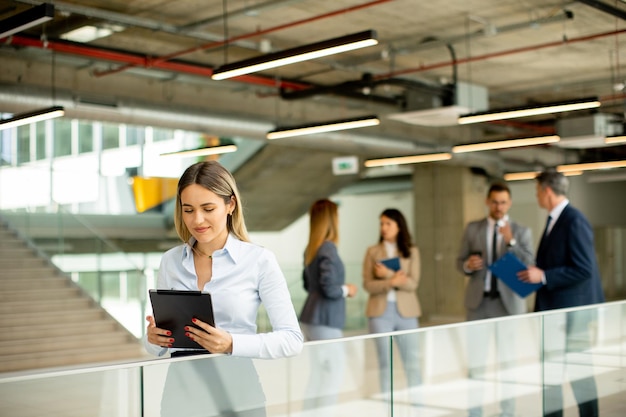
(155, 69)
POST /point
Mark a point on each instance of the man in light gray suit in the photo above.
(488, 297)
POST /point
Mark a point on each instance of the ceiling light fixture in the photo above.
(521, 176)
(414, 159)
(32, 117)
(212, 150)
(503, 144)
(26, 19)
(591, 166)
(298, 54)
(531, 175)
(567, 170)
(571, 105)
(287, 132)
(615, 139)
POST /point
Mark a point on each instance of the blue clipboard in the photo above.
(506, 269)
(392, 263)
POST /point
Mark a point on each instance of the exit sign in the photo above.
(345, 165)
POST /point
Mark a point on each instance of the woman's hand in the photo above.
(352, 290)
(381, 271)
(156, 336)
(211, 338)
(399, 279)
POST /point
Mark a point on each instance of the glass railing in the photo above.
(525, 365)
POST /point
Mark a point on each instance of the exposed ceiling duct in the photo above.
(588, 131)
(431, 110)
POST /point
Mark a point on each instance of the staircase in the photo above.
(46, 320)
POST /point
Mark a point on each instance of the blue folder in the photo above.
(506, 268)
(392, 263)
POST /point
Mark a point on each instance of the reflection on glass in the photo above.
(569, 358)
(215, 386)
(327, 366)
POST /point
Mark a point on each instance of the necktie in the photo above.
(493, 291)
(545, 232)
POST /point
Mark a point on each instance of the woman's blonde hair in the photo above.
(324, 225)
(217, 179)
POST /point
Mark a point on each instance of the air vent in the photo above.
(588, 131)
(426, 110)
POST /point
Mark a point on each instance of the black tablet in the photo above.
(174, 309)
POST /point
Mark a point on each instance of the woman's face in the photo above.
(389, 229)
(205, 215)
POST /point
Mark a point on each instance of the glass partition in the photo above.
(516, 365)
(583, 359)
(80, 393)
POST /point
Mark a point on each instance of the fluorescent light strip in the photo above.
(298, 54)
(214, 150)
(32, 117)
(615, 139)
(332, 126)
(567, 170)
(589, 103)
(503, 144)
(591, 166)
(26, 19)
(531, 175)
(414, 159)
(521, 176)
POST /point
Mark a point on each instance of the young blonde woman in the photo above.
(393, 304)
(324, 313)
(217, 256)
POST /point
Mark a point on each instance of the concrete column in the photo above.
(446, 197)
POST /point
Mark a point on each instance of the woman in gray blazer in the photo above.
(324, 313)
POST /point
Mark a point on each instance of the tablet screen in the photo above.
(174, 309)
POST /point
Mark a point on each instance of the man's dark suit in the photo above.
(567, 257)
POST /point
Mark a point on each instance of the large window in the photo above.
(134, 135)
(85, 137)
(110, 136)
(40, 140)
(62, 138)
(162, 134)
(23, 144)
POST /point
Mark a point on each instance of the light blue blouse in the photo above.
(244, 276)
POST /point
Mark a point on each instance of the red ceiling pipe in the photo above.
(498, 54)
(153, 61)
(137, 60)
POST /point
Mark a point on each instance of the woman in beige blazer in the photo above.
(393, 304)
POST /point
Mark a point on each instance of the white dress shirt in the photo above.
(392, 250)
(244, 276)
(491, 223)
(555, 213)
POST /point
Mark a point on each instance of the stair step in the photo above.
(72, 357)
(51, 317)
(37, 269)
(65, 343)
(12, 252)
(33, 294)
(46, 321)
(43, 307)
(43, 282)
(55, 330)
(22, 263)
(9, 238)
